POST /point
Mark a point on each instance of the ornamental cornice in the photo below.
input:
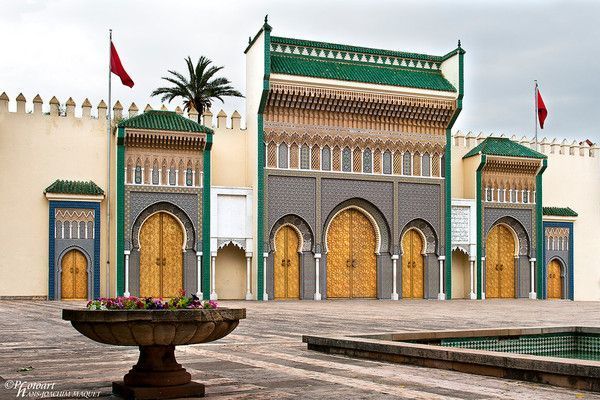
(165, 139)
(284, 99)
(512, 165)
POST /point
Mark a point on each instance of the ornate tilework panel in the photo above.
(426, 165)
(387, 163)
(326, 159)
(420, 201)
(315, 158)
(397, 163)
(367, 161)
(304, 157)
(417, 164)
(283, 156)
(288, 195)
(427, 230)
(520, 220)
(435, 165)
(406, 164)
(377, 161)
(461, 225)
(356, 160)
(347, 160)
(336, 159)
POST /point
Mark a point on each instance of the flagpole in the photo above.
(535, 111)
(109, 126)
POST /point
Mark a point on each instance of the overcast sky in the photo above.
(60, 48)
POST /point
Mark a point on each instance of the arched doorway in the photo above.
(161, 256)
(74, 276)
(351, 260)
(555, 282)
(287, 264)
(413, 270)
(230, 270)
(461, 274)
(500, 263)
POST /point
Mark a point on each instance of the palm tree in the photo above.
(199, 89)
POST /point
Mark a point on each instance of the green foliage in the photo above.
(199, 88)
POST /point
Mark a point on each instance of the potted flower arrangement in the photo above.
(156, 326)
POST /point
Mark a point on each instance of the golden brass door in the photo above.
(500, 263)
(74, 277)
(351, 259)
(286, 268)
(555, 288)
(161, 256)
(413, 269)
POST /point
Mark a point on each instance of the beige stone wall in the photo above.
(230, 275)
(229, 152)
(572, 179)
(35, 150)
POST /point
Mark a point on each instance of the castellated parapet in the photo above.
(584, 148)
(68, 109)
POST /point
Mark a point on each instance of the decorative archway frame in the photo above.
(237, 242)
(189, 234)
(375, 216)
(371, 219)
(427, 233)
(420, 233)
(564, 276)
(305, 235)
(89, 269)
(520, 236)
(146, 218)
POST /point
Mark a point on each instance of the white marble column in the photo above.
(127, 294)
(472, 294)
(248, 276)
(441, 294)
(265, 294)
(317, 278)
(394, 277)
(481, 278)
(199, 293)
(213, 262)
(532, 293)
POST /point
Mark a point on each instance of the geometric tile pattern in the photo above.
(566, 345)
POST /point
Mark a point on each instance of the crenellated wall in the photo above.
(42, 141)
(572, 179)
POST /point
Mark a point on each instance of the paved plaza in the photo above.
(264, 357)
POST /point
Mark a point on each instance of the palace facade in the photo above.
(348, 182)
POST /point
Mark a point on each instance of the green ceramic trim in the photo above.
(261, 168)
(120, 211)
(478, 201)
(539, 229)
(206, 218)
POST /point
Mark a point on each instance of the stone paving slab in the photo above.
(264, 357)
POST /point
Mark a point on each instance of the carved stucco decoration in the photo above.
(426, 230)
(516, 226)
(190, 243)
(300, 225)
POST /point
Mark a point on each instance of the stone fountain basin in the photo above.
(155, 327)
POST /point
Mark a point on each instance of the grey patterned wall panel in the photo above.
(138, 201)
(523, 216)
(523, 278)
(62, 246)
(432, 276)
(416, 200)
(291, 195)
(384, 276)
(308, 275)
(300, 224)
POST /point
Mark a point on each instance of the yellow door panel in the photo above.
(364, 262)
(172, 256)
(338, 256)
(150, 257)
(555, 288)
(500, 263)
(74, 276)
(413, 270)
(293, 264)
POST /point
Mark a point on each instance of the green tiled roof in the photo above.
(559, 212)
(503, 147)
(74, 187)
(359, 72)
(163, 121)
(345, 48)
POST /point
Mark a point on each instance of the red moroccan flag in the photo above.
(541, 109)
(117, 68)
